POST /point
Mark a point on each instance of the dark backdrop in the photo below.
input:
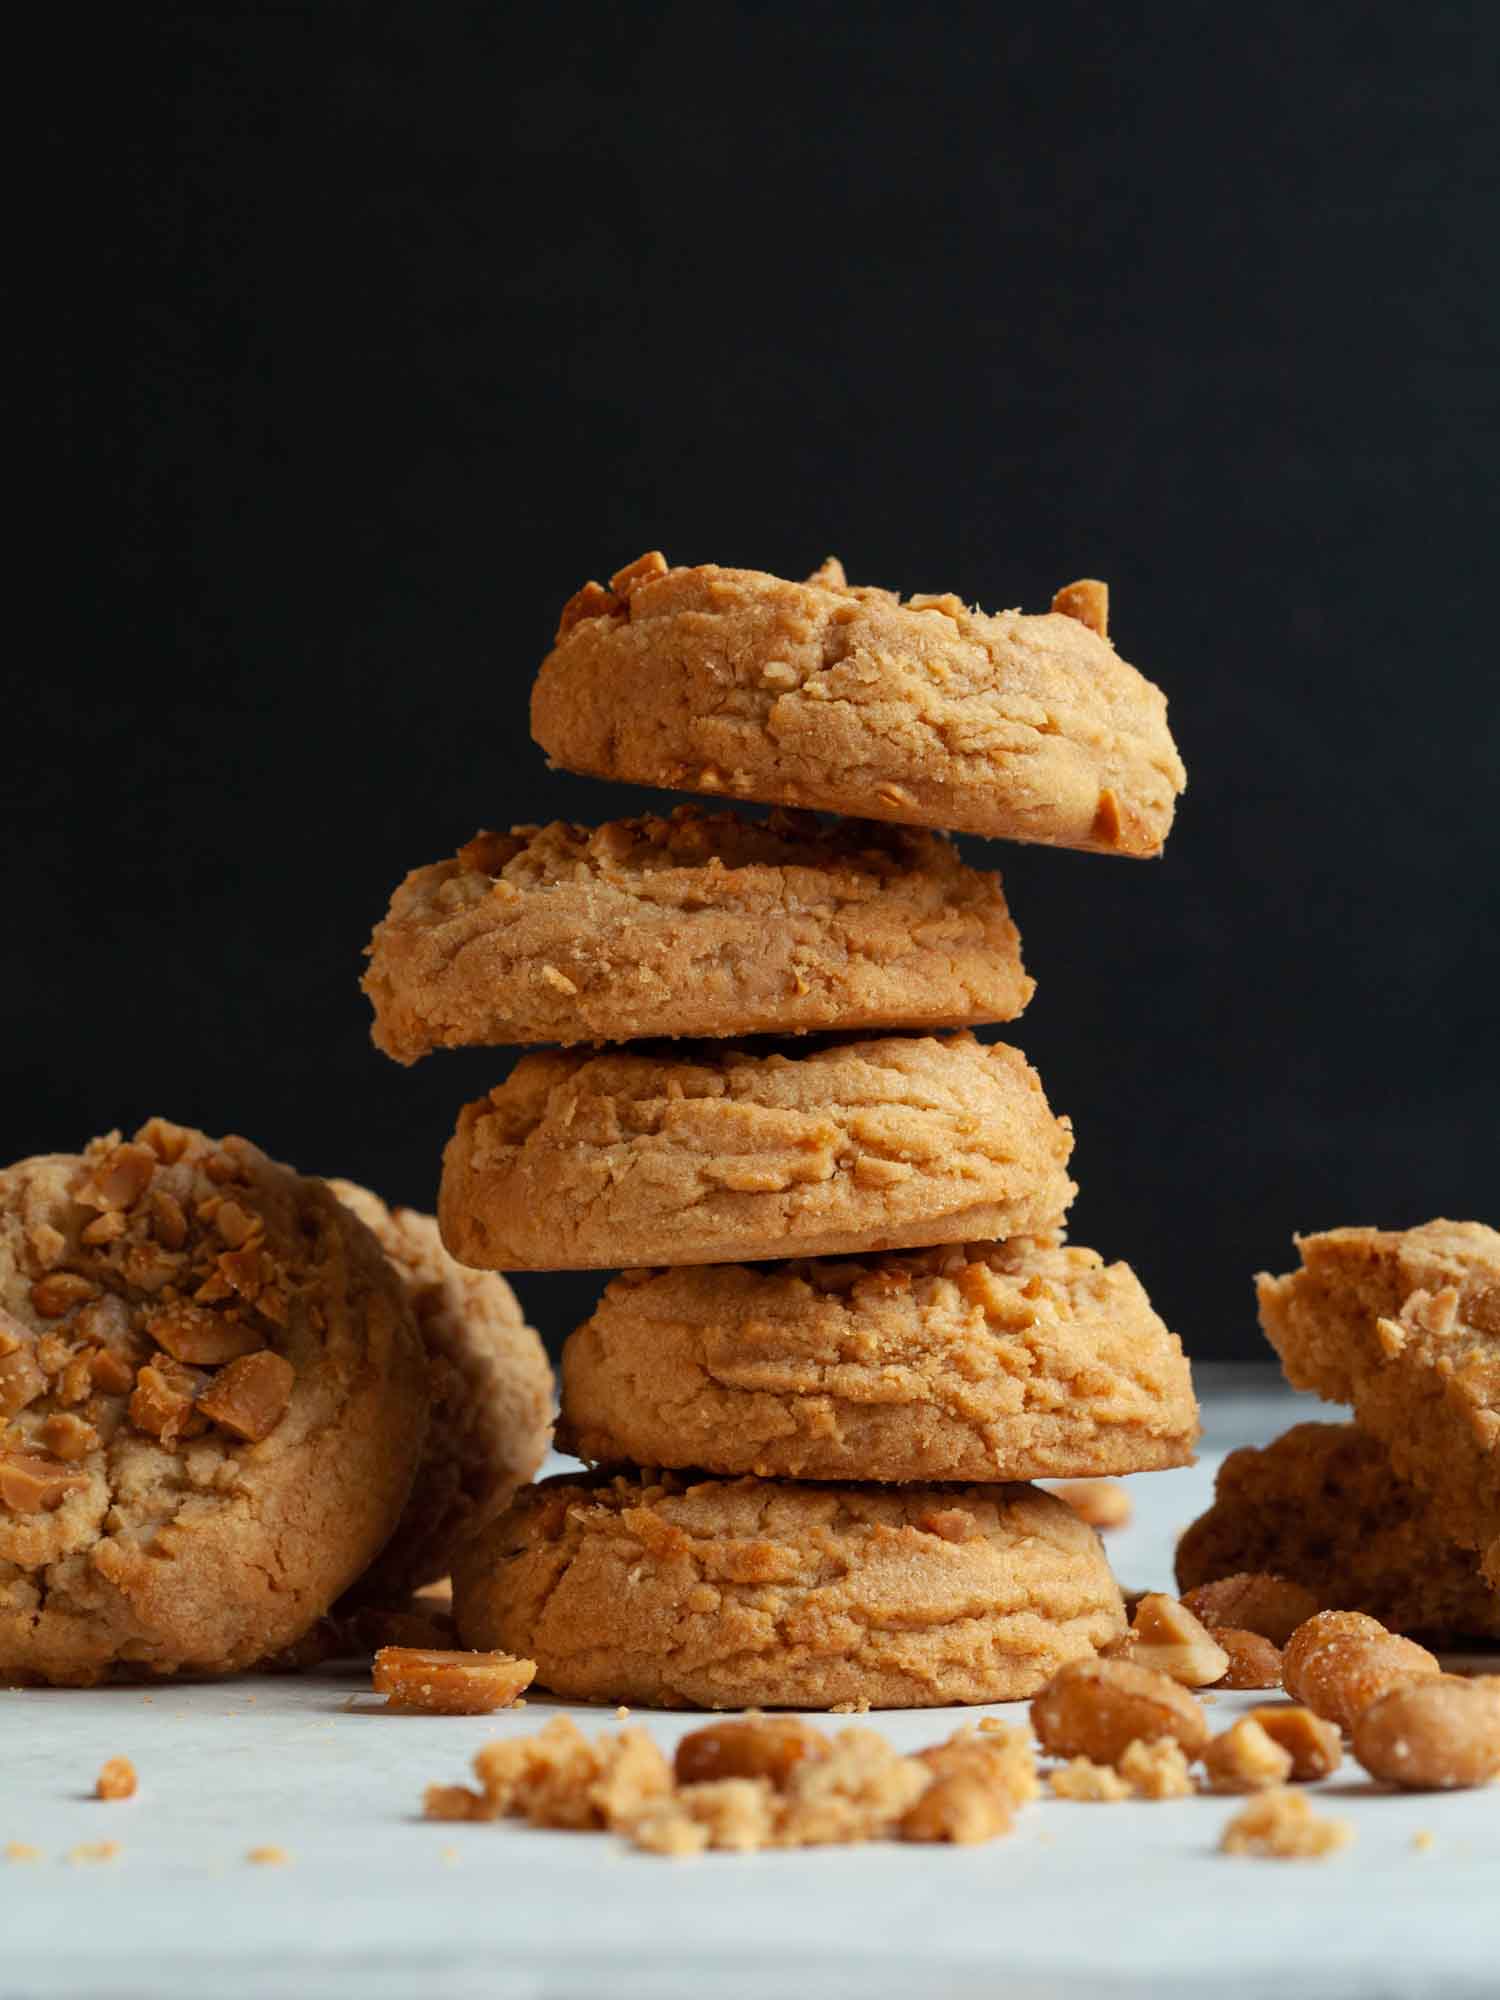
(380, 329)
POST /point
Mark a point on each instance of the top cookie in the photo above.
(1405, 1325)
(215, 1403)
(821, 694)
(701, 924)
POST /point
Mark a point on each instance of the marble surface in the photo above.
(1122, 1900)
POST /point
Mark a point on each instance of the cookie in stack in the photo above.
(1397, 1514)
(847, 1331)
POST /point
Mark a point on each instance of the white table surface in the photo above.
(1106, 1901)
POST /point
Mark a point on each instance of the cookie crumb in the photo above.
(860, 1707)
(116, 1779)
(89, 1851)
(1088, 1783)
(1156, 1770)
(1422, 1840)
(22, 1850)
(1282, 1826)
(268, 1857)
(621, 1712)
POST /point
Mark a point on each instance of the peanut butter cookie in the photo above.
(706, 1153)
(750, 1593)
(215, 1404)
(820, 694)
(491, 1398)
(697, 924)
(1323, 1507)
(984, 1362)
(1405, 1325)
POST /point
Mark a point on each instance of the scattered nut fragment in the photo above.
(1103, 1503)
(59, 1292)
(1338, 1662)
(412, 1678)
(1282, 1826)
(1098, 1708)
(116, 1779)
(1253, 1661)
(1431, 1735)
(1156, 1770)
(202, 1338)
(268, 1857)
(88, 1851)
(21, 1381)
(1087, 600)
(1088, 1783)
(22, 1850)
(1246, 1759)
(32, 1484)
(756, 1746)
(251, 1395)
(1254, 1602)
(1169, 1638)
(1315, 1747)
(960, 1808)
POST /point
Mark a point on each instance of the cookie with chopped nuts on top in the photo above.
(215, 1401)
(980, 1361)
(823, 694)
(758, 1593)
(696, 924)
(717, 1153)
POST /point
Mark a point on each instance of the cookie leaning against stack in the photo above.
(866, 1412)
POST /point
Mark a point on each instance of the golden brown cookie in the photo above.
(819, 694)
(709, 1153)
(977, 1362)
(1322, 1507)
(1405, 1325)
(491, 1398)
(756, 1594)
(215, 1404)
(699, 924)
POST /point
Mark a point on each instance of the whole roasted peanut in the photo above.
(1253, 1661)
(1431, 1735)
(1340, 1661)
(1254, 1602)
(1315, 1747)
(1098, 1708)
(756, 1746)
(1166, 1635)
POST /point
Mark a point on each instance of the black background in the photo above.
(374, 331)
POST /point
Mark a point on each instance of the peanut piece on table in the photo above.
(1315, 1747)
(1169, 1638)
(1098, 1708)
(1340, 1661)
(960, 1808)
(116, 1779)
(1253, 1661)
(449, 1683)
(1245, 1759)
(755, 1746)
(1254, 1602)
(1431, 1735)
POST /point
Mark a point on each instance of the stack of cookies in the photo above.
(847, 1330)
(1397, 1514)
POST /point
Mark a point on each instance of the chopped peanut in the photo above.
(1097, 1708)
(1169, 1638)
(1253, 1661)
(1103, 1503)
(449, 1683)
(1088, 1783)
(757, 1746)
(1245, 1759)
(1314, 1746)
(250, 1397)
(116, 1779)
(31, 1484)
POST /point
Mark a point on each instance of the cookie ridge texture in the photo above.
(692, 924)
(751, 1593)
(708, 1153)
(215, 1403)
(731, 681)
(978, 1362)
(1404, 1324)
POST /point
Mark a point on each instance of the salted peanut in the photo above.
(164, 1400)
(21, 1381)
(1315, 1747)
(202, 1338)
(960, 1808)
(1338, 1662)
(68, 1437)
(31, 1484)
(1103, 1503)
(1253, 1661)
(268, 1857)
(1431, 1735)
(1168, 1637)
(250, 1397)
(1156, 1770)
(449, 1683)
(116, 1779)
(456, 1802)
(110, 1373)
(120, 1178)
(1245, 1759)
(757, 1746)
(1088, 1783)
(1254, 1602)
(1098, 1708)
(1087, 601)
(59, 1292)
(1282, 1826)
(1001, 1756)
